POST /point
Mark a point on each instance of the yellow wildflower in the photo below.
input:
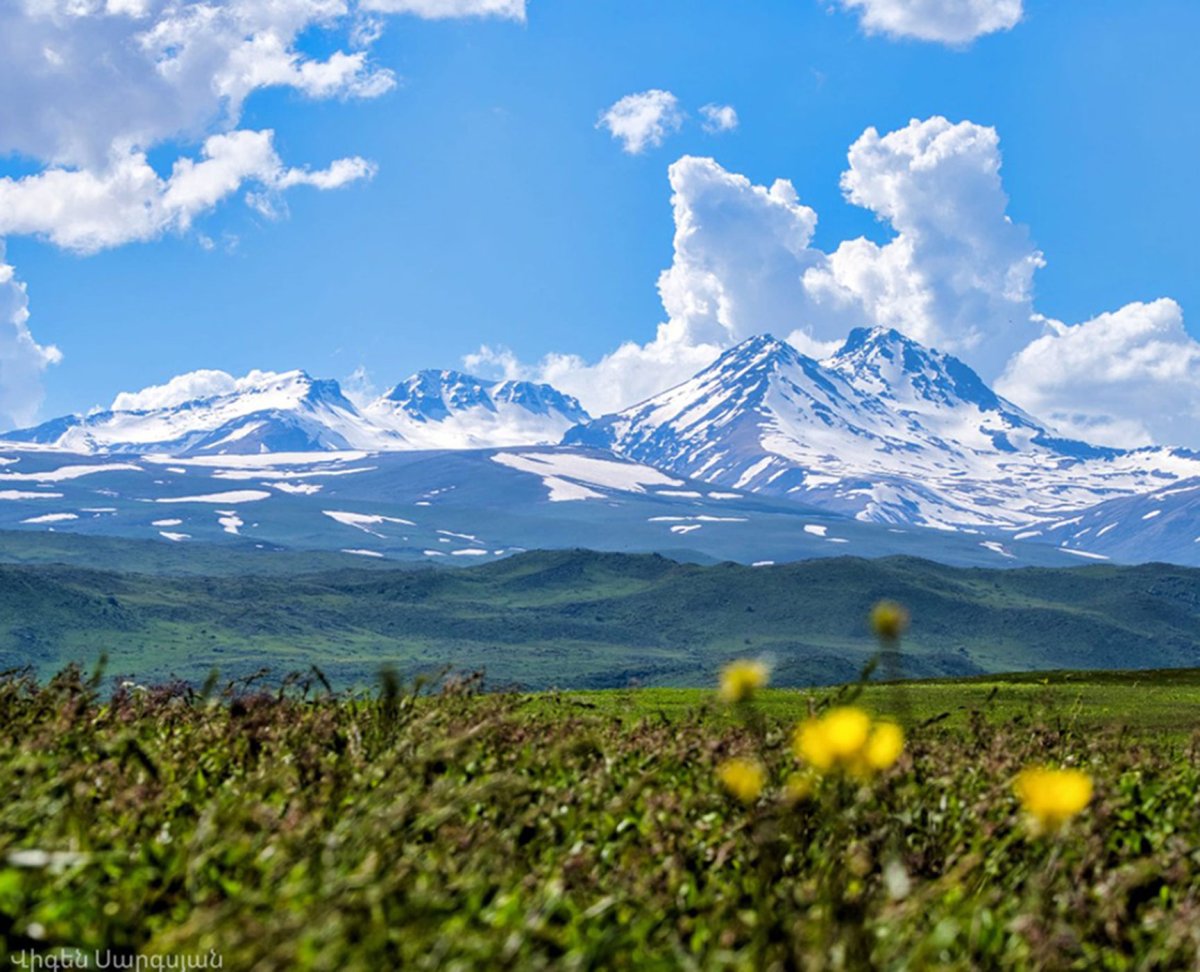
(846, 739)
(834, 739)
(889, 620)
(885, 745)
(741, 678)
(743, 778)
(1051, 796)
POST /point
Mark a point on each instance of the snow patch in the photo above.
(1083, 553)
(230, 521)
(68, 472)
(364, 521)
(232, 496)
(52, 518)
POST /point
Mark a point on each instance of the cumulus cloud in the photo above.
(92, 86)
(1127, 378)
(86, 211)
(84, 77)
(957, 272)
(644, 120)
(629, 374)
(719, 118)
(22, 359)
(953, 22)
(741, 256)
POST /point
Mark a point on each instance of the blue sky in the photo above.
(500, 214)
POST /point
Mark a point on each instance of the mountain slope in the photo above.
(269, 412)
(1162, 525)
(292, 412)
(452, 410)
(885, 430)
(449, 506)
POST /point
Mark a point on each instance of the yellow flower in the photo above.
(885, 745)
(740, 679)
(1050, 796)
(889, 620)
(743, 778)
(846, 739)
(833, 739)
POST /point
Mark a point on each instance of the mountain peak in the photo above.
(891, 365)
(452, 409)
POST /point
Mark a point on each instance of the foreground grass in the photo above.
(508, 832)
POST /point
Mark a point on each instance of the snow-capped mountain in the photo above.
(885, 430)
(269, 412)
(1163, 525)
(293, 412)
(451, 410)
(457, 506)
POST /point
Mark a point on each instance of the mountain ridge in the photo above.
(884, 430)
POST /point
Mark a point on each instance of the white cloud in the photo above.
(741, 255)
(203, 383)
(719, 118)
(91, 86)
(1126, 378)
(953, 22)
(641, 121)
(443, 9)
(85, 210)
(22, 359)
(84, 79)
(958, 274)
(188, 387)
(360, 387)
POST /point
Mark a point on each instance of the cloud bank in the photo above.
(956, 274)
(953, 22)
(1127, 378)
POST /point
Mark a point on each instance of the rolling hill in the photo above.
(579, 619)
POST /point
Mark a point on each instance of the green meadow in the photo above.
(305, 829)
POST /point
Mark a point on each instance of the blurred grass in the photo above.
(301, 829)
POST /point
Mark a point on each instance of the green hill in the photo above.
(589, 620)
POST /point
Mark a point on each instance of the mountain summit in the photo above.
(452, 410)
(268, 412)
(885, 429)
(293, 412)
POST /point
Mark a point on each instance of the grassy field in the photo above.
(305, 830)
(1148, 703)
